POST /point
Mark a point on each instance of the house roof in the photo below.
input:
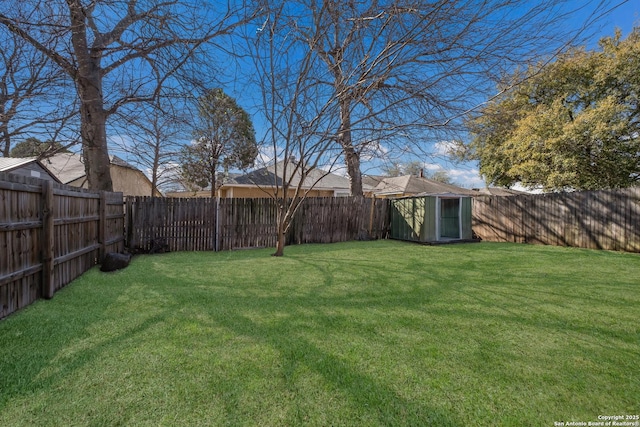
(10, 163)
(411, 184)
(115, 160)
(273, 175)
(69, 167)
(372, 180)
(32, 164)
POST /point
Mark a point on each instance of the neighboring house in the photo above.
(69, 169)
(262, 183)
(411, 185)
(30, 167)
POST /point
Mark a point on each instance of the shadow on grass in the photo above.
(363, 391)
(319, 311)
(47, 342)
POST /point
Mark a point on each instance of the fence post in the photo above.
(125, 222)
(371, 211)
(48, 255)
(216, 225)
(102, 226)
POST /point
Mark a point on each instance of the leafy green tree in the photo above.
(573, 124)
(224, 138)
(33, 147)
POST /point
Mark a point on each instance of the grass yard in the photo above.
(362, 333)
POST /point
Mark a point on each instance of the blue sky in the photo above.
(624, 16)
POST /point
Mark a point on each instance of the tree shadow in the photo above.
(364, 391)
(605, 219)
(51, 340)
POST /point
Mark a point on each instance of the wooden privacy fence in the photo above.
(205, 224)
(606, 219)
(49, 235)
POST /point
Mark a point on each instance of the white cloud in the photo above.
(466, 173)
(433, 167)
(468, 177)
(445, 148)
(266, 155)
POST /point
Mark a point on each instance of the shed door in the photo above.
(450, 218)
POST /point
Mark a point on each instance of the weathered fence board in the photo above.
(179, 224)
(607, 219)
(49, 235)
(206, 224)
(246, 223)
(341, 219)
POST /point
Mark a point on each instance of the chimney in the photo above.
(421, 174)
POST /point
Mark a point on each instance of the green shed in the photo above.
(431, 218)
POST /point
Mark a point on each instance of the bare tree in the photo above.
(117, 52)
(298, 118)
(154, 134)
(32, 104)
(403, 71)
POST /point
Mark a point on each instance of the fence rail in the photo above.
(606, 219)
(49, 235)
(205, 224)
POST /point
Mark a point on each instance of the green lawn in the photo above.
(363, 333)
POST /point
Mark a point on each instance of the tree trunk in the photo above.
(282, 235)
(214, 182)
(94, 145)
(351, 156)
(93, 117)
(154, 171)
(4, 136)
(352, 160)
